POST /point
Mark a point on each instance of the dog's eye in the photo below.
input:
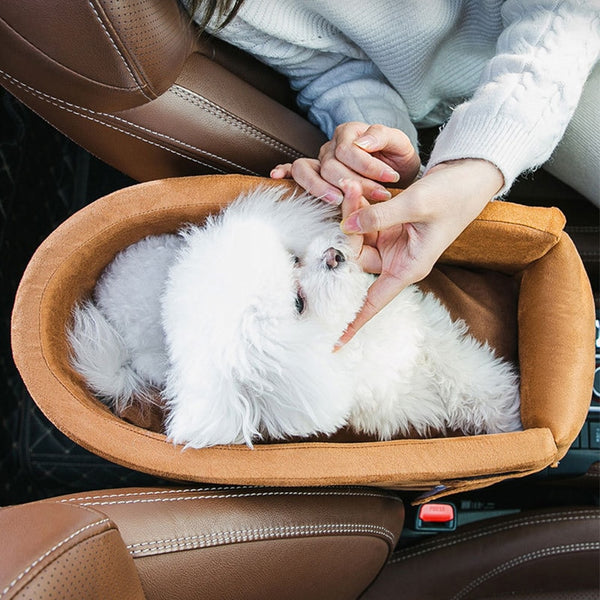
(300, 303)
(296, 260)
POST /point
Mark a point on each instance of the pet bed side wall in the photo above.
(556, 343)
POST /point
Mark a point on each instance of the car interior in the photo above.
(123, 102)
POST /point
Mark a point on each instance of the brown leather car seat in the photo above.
(132, 83)
(208, 542)
(551, 554)
(185, 543)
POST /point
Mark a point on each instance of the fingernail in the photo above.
(337, 346)
(390, 175)
(365, 142)
(333, 197)
(351, 224)
(274, 172)
(381, 194)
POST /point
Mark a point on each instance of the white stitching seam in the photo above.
(157, 492)
(445, 543)
(112, 41)
(259, 533)
(79, 111)
(46, 554)
(59, 104)
(231, 119)
(184, 144)
(220, 496)
(519, 560)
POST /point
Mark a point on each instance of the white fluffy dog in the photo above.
(234, 324)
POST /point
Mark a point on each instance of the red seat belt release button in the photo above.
(436, 516)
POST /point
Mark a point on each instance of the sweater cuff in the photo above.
(499, 140)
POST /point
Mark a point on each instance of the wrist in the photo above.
(478, 172)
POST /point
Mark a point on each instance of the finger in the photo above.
(353, 196)
(350, 129)
(363, 163)
(307, 173)
(402, 208)
(332, 170)
(379, 137)
(353, 200)
(383, 290)
(348, 153)
(393, 147)
(283, 171)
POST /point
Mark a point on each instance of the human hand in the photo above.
(369, 155)
(405, 236)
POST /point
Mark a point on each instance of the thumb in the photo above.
(381, 216)
(378, 137)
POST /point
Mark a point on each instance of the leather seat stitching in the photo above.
(112, 41)
(178, 141)
(219, 496)
(259, 533)
(48, 553)
(147, 141)
(231, 119)
(519, 560)
(157, 492)
(75, 108)
(63, 105)
(445, 543)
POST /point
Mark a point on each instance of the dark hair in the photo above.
(203, 10)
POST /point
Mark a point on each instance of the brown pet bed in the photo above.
(514, 276)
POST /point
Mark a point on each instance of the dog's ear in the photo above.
(291, 382)
(263, 386)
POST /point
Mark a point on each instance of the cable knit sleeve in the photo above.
(529, 90)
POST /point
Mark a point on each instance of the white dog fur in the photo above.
(234, 323)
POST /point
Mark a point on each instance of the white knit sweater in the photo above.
(506, 76)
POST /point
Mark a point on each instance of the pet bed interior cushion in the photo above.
(514, 276)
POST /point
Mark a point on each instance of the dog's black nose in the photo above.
(333, 257)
